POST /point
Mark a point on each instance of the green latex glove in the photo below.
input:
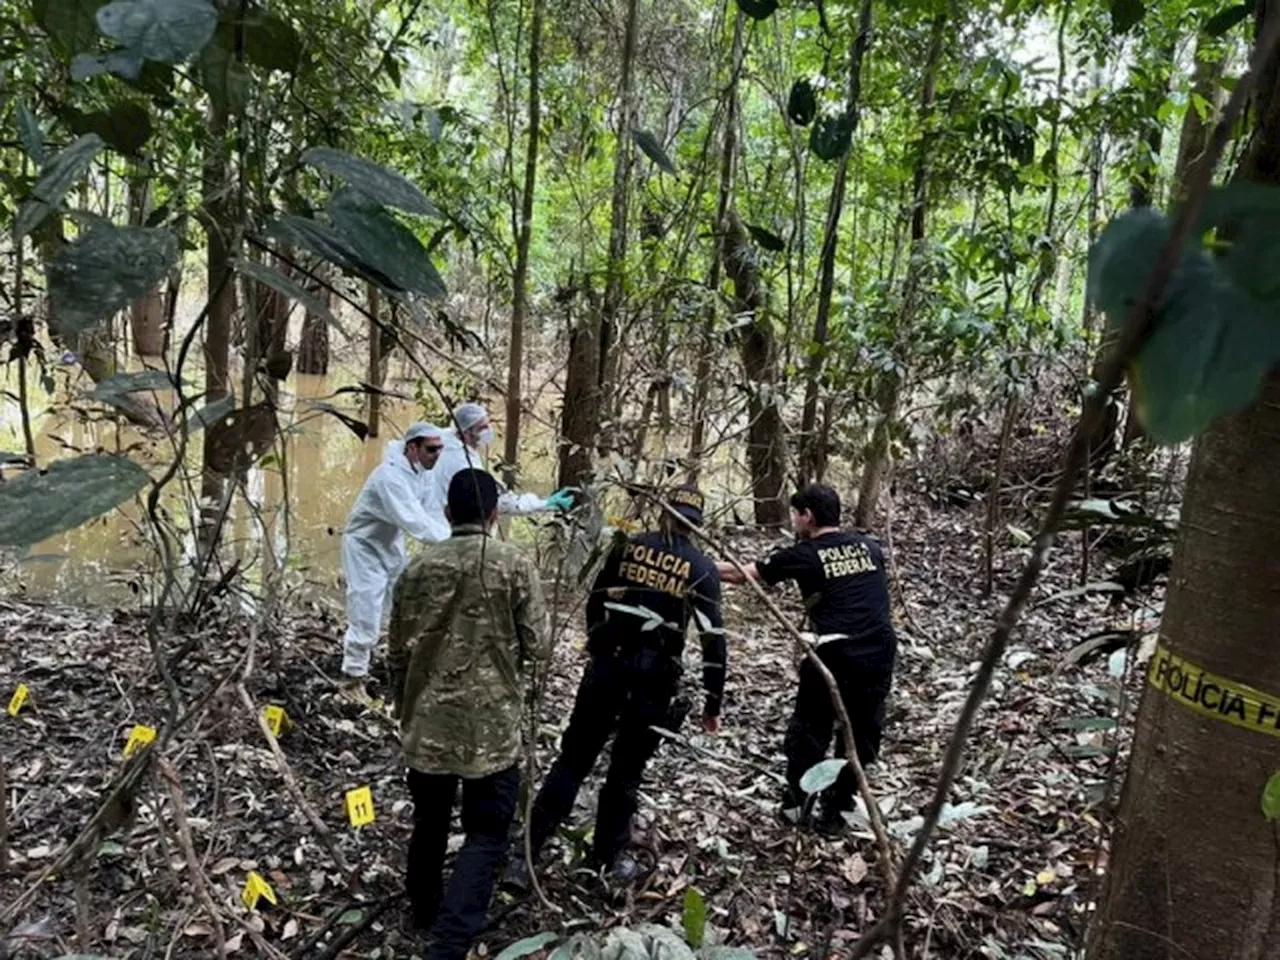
(561, 499)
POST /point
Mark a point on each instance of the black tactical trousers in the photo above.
(627, 694)
(864, 685)
(456, 916)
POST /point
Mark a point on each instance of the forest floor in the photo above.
(1010, 875)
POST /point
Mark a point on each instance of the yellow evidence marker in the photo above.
(19, 698)
(254, 889)
(276, 719)
(359, 804)
(139, 736)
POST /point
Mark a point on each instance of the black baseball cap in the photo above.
(687, 502)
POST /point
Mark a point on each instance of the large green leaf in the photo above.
(271, 42)
(522, 948)
(647, 142)
(277, 281)
(37, 506)
(122, 63)
(115, 390)
(802, 105)
(767, 239)
(71, 24)
(126, 127)
(58, 176)
(224, 77)
(1271, 798)
(166, 30)
(1220, 23)
(695, 917)
(376, 182)
(29, 133)
(103, 272)
(319, 238)
(758, 9)
(831, 137)
(1126, 14)
(821, 775)
(1212, 341)
(384, 244)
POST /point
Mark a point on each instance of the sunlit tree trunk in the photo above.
(520, 291)
(813, 455)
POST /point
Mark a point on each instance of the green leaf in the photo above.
(271, 42)
(1220, 23)
(103, 272)
(695, 917)
(37, 506)
(358, 427)
(821, 775)
(1126, 14)
(113, 390)
(319, 238)
(224, 77)
(802, 105)
(768, 240)
(1271, 798)
(211, 413)
(522, 948)
(1088, 724)
(273, 278)
(758, 9)
(726, 953)
(71, 24)
(166, 30)
(126, 127)
(30, 134)
(831, 137)
(122, 63)
(58, 176)
(375, 182)
(384, 244)
(653, 150)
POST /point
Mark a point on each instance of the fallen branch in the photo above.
(1129, 343)
(198, 880)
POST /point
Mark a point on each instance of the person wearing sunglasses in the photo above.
(397, 498)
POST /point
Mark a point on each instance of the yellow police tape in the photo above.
(1213, 696)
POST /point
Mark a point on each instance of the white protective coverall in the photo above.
(458, 456)
(396, 499)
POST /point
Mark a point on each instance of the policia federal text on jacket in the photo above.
(639, 610)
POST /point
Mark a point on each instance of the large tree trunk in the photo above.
(580, 418)
(889, 390)
(813, 453)
(146, 316)
(520, 294)
(1195, 870)
(766, 440)
(1195, 866)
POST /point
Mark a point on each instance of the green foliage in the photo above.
(29, 133)
(224, 77)
(1221, 23)
(1126, 14)
(273, 278)
(695, 917)
(70, 24)
(58, 176)
(767, 239)
(802, 105)
(36, 506)
(653, 150)
(821, 775)
(121, 63)
(831, 136)
(375, 182)
(170, 31)
(125, 127)
(383, 245)
(104, 271)
(1271, 798)
(115, 390)
(522, 948)
(1215, 334)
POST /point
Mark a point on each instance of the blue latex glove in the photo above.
(561, 499)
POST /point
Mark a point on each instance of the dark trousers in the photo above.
(864, 685)
(456, 916)
(628, 695)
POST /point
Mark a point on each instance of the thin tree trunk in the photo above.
(219, 223)
(812, 453)
(580, 418)
(520, 306)
(374, 374)
(146, 315)
(313, 342)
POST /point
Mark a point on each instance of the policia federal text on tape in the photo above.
(842, 578)
(637, 615)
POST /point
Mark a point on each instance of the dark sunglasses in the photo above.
(433, 449)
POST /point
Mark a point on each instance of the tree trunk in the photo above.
(1206, 85)
(813, 454)
(766, 440)
(220, 223)
(520, 305)
(313, 343)
(146, 316)
(889, 390)
(374, 374)
(580, 418)
(615, 268)
(1208, 885)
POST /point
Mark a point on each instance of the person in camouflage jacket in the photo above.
(468, 618)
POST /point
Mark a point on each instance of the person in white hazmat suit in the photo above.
(397, 498)
(465, 444)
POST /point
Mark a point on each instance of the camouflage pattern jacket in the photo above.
(467, 618)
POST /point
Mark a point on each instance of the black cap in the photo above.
(687, 502)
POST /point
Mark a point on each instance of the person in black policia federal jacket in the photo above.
(632, 678)
(841, 576)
